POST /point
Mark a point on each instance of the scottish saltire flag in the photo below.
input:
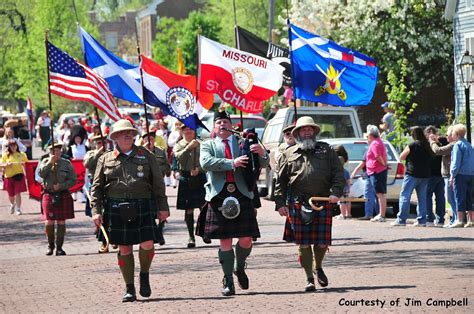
(328, 73)
(175, 94)
(123, 78)
(31, 116)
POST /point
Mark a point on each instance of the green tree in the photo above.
(400, 98)
(164, 47)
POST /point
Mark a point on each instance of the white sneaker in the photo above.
(469, 224)
(339, 217)
(397, 223)
(417, 224)
(378, 218)
(457, 224)
(12, 209)
(18, 212)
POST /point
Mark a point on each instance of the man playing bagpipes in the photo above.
(307, 169)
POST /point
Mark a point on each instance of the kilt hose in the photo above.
(57, 205)
(189, 196)
(213, 225)
(142, 228)
(318, 232)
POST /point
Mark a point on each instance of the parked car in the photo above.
(356, 149)
(335, 122)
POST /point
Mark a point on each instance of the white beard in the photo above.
(306, 144)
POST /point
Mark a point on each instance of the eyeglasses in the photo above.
(287, 133)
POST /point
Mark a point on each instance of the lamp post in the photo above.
(466, 71)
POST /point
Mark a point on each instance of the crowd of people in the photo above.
(129, 164)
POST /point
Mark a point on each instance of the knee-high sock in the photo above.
(60, 236)
(241, 255)
(49, 230)
(189, 218)
(319, 256)
(306, 260)
(226, 258)
(145, 257)
(127, 267)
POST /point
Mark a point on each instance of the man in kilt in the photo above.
(191, 190)
(148, 141)
(227, 191)
(309, 168)
(56, 201)
(127, 192)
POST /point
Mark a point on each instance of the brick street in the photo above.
(369, 261)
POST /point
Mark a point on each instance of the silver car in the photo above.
(356, 148)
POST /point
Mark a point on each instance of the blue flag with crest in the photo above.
(122, 77)
(323, 71)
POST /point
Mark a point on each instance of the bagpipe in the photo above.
(251, 171)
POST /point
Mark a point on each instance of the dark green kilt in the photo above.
(213, 225)
(142, 229)
(191, 194)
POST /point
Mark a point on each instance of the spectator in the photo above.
(13, 160)
(44, 123)
(442, 146)
(418, 157)
(387, 122)
(462, 176)
(273, 111)
(77, 150)
(376, 164)
(371, 206)
(10, 135)
(344, 205)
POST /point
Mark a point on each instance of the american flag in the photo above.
(70, 79)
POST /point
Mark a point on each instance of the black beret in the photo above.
(221, 115)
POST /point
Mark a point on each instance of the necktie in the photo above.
(228, 154)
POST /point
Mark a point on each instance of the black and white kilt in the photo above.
(318, 232)
(142, 229)
(188, 197)
(57, 205)
(213, 225)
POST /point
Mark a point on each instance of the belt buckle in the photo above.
(231, 187)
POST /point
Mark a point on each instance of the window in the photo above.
(332, 125)
(469, 43)
(111, 40)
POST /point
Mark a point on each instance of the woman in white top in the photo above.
(77, 151)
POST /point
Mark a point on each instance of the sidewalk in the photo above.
(367, 261)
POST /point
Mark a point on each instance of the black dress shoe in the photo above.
(60, 252)
(310, 285)
(206, 240)
(50, 251)
(145, 290)
(191, 243)
(242, 279)
(228, 288)
(130, 294)
(322, 279)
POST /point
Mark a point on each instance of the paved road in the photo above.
(370, 262)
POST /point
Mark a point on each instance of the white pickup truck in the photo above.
(335, 122)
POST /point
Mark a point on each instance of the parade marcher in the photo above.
(127, 192)
(14, 178)
(191, 192)
(310, 168)
(148, 141)
(229, 212)
(56, 202)
(90, 163)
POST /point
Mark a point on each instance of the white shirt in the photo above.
(78, 151)
(231, 143)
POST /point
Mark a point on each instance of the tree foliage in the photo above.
(23, 67)
(164, 47)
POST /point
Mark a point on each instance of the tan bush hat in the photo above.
(305, 121)
(122, 125)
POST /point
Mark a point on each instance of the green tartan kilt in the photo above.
(142, 229)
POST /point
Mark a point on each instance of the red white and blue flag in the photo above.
(70, 79)
(31, 116)
(241, 79)
(175, 94)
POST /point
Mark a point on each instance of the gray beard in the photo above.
(306, 144)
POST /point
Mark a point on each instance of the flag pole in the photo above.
(237, 45)
(49, 89)
(293, 98)
(102, 139)
(147, 123)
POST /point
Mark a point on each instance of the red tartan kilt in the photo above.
(318, 232)
(64, 209)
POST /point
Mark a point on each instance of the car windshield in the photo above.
(250, 123)
(356, 151)
(332, 125)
